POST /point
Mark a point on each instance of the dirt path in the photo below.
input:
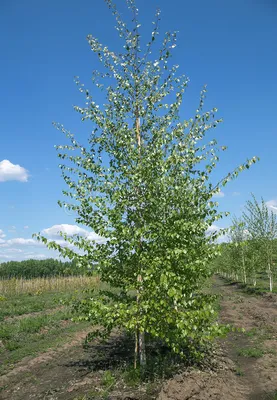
(71, 371)
(255, 351)
(247, 367)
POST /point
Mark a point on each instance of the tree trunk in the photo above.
(141, 335)
(244, 271)
(270, 278)
(136, 349)
(142, 352)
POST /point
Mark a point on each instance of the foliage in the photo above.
(262, 227)
(38, 268)
(143, 184)
(252, 249)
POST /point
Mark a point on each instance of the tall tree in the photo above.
(143, 183)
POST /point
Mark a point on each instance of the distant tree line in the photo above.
(39, 268)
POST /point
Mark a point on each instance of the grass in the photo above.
(33, 322)
(252, 352)
(14, 303)
(239, 371)
(37, 286)
(31, 335)
(261, 287)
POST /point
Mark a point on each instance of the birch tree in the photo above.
(262, 227)
(142, 182)
(238, 239)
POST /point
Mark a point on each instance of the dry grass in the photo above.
(39, 285)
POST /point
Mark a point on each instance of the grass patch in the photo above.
(252, 332)
(31, 344)
(239, 371)
(253, 352)
(26, 304)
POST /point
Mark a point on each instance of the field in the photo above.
(42, 354)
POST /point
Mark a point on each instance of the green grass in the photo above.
(252, 352)
(29, 335)
(239, 371)
(25, 303)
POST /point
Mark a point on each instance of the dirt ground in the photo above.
(244, 365)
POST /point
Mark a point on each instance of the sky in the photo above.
(229, 45)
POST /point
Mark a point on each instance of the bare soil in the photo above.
(72, 371)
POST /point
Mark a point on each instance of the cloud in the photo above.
(272, 205)
(219, 194)
(12, 172)
(13, 251)
(20, 242)
(19, 255)
(19, 248)
(2, 235)
(215, 228)
(236, 194)
(70, 230)
(35, 256)
(26, 227)
(95, 237)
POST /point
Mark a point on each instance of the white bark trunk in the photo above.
(270, 277)
(142, 352)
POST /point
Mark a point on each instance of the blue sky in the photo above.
(229, 45)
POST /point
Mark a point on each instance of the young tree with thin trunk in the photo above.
(262, 227)
(239, 250)
(143, 184)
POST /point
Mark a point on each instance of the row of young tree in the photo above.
(38, 268)
(252, 248)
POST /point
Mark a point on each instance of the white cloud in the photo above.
(95, 237)
(272, 205)
(35, 256)
(215, 228)
(236, 194)
(22, 242)
(2, 235)
(219, 194)
(71, 230)
(26, 227)
(19, 248)
(11, 250)
(12, 172)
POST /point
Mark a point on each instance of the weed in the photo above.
(251, 352)
(131, 377)
(239, 371)
(108, 379)
(252, 332)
